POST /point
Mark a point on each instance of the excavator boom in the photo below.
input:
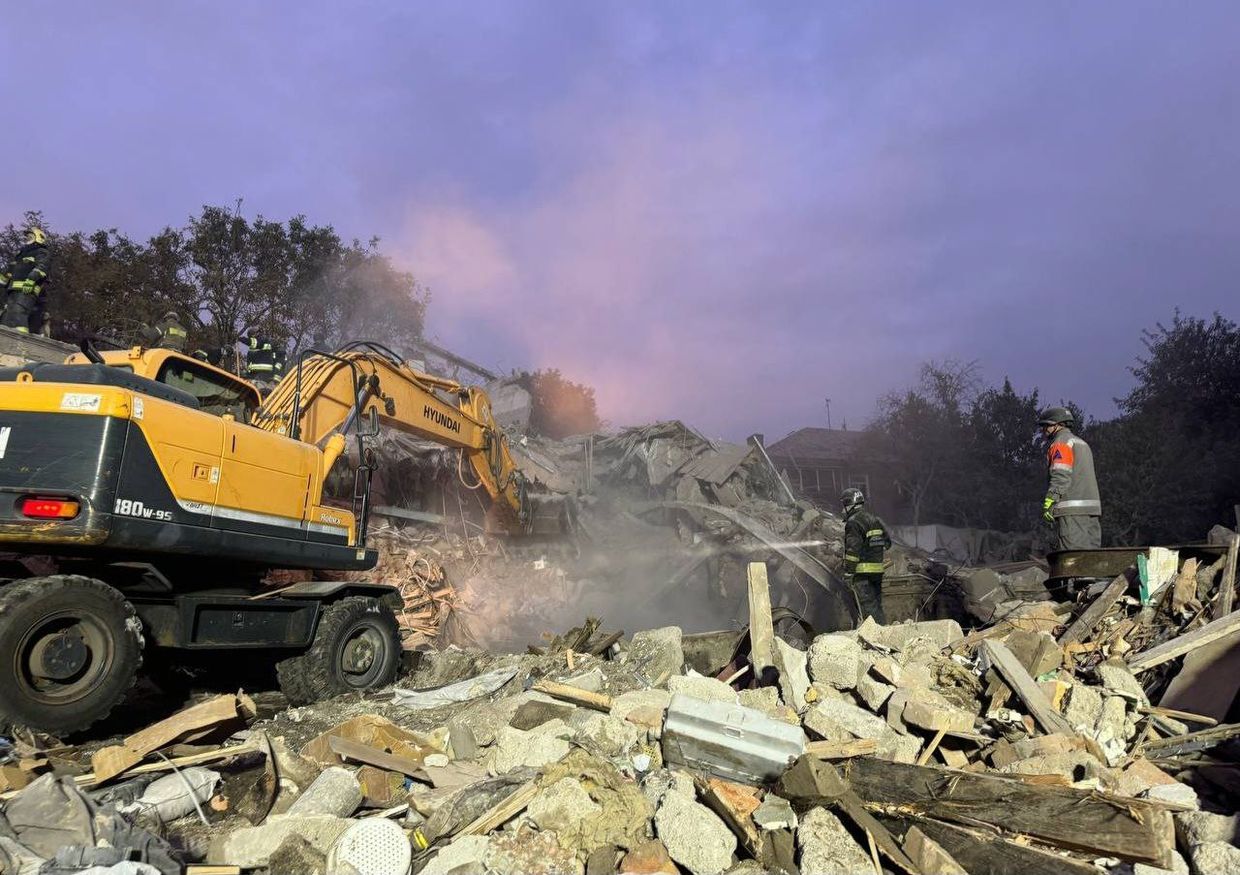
(321, 399)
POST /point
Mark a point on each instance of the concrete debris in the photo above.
(593, 753)
(561, 805)
(334, 792)
(707, 689)
(827, 848)
(775, 812)
(252, 846)
(694, 835)
(466, 854)
(657, 654)
(1215, 858)
(793, 665)
(515, 749)
(835, 659)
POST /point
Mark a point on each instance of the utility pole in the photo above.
(828, 400)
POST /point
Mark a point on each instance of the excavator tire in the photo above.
(70, 650)
(356, 647)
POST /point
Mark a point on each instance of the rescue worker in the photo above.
(1072, 504)
(865, 542)
(25, 305)
(172, 334)
(260, 359)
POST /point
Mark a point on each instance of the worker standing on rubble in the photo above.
(865, 543)
(25, 305)
(172, 334)
(261, 361)
(1072, 504)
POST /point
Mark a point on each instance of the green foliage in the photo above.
(1169, 466)
(560, 407)
(960, 454)
(297, 283)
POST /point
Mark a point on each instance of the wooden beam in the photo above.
(1026, 689)
(841, 750)
(1092, 615)
(1080, 820)
(566, 693)
(1228, 583)
(499, 814)
(979, 851)
(372, 756)
(1191, 742)
(761, 627)
(1168, 650)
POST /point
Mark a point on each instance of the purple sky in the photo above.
(722, 212)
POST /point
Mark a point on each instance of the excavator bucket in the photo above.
(552, 514)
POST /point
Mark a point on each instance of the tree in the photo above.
(1169, 466)
(923, 432)
(560, 407)
(296, 283)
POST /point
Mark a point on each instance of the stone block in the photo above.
(694, 835)
(827, 848)
(562, 804)
(704, 688)
(657, 653)
(835, 659)
(335, 792)
(793, 665)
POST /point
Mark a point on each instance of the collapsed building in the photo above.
(682, 688)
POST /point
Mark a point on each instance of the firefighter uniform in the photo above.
(1072, 501)
(172, 334)
(260, 359)
(865, 543)
(25, 305)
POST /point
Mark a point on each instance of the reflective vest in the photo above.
(1073, 486)
(865, 542)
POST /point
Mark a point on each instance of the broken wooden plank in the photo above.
(735, 805)
(372, 756)
(1168, 650)
(1191, 742)
(566, 693)
(501, 813)
(931, 857)
(761, 626)
(1092, 615)
(1227, 586)
(224, 753)
(979, 851)
(841, 750)
(108, 762)
(1026, 689)
(1186, 716)
(1081, 820)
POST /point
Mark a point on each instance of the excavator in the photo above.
(145, 495)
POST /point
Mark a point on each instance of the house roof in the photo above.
(806, 444)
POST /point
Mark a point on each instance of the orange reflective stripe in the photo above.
(1060, 456)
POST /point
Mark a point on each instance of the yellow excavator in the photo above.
(145, 495)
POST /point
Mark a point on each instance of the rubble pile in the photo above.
(1042, 742)
(667, 522)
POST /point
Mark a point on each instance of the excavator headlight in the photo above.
(39, 508)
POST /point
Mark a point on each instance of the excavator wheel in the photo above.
(70, 649)
(356, 647)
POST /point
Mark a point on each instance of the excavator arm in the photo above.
(321, 401)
